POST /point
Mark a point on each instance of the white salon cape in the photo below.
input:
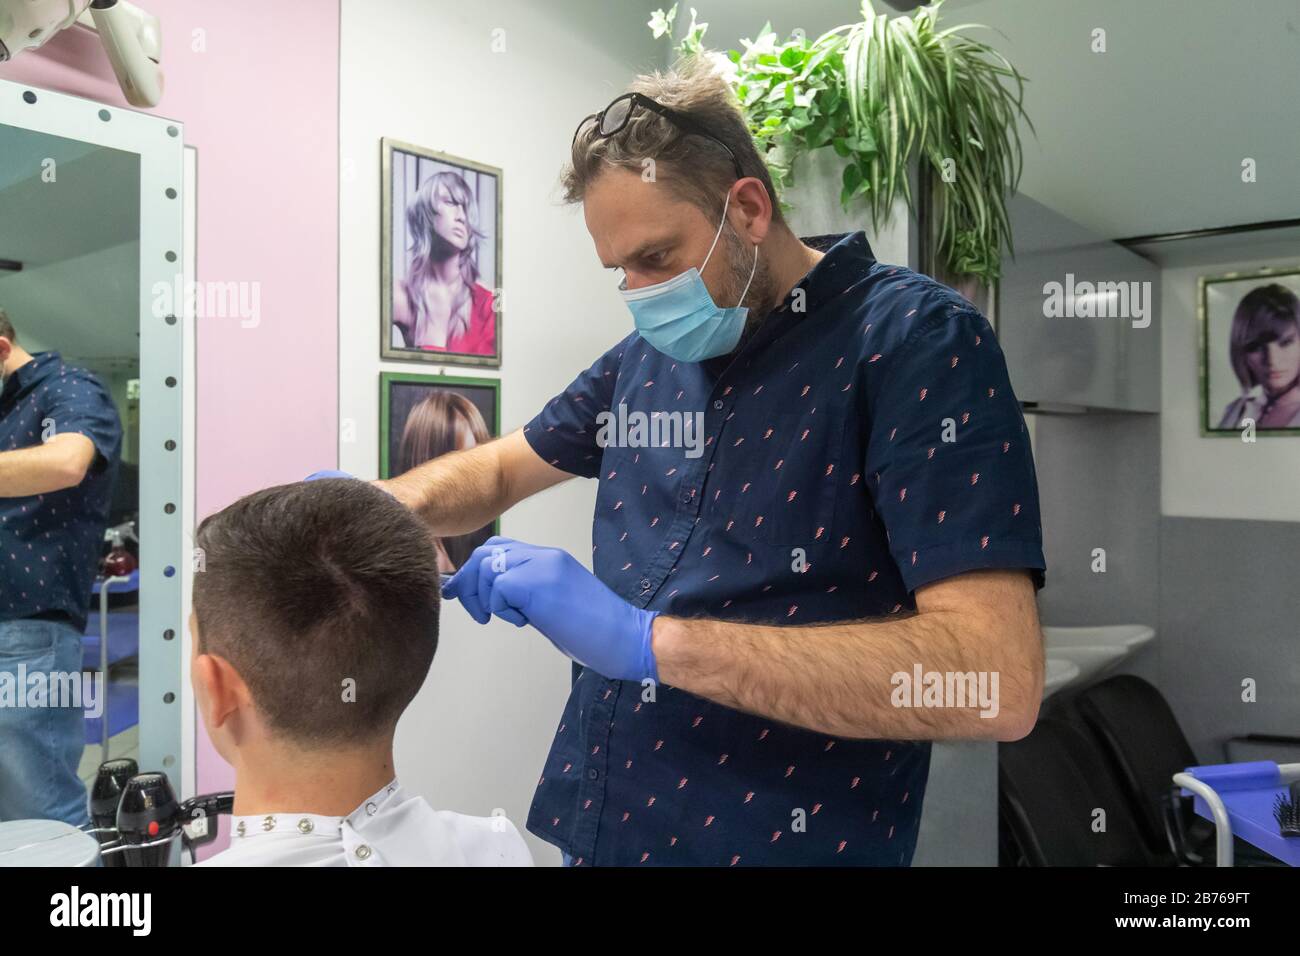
(391, 828)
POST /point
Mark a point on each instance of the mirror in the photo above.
(91, 546)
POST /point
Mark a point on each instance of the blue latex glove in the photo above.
(547, 588)
(328, 473)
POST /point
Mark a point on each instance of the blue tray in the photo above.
(1248, 791)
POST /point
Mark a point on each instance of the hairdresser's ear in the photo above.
(753, 210)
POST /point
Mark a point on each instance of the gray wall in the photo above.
(1229, 610)
(1220, 591)
(1099, 484)
(959, 823)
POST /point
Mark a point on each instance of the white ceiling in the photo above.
(1145, 138)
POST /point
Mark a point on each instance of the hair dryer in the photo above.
(131, 38)
(147, 820)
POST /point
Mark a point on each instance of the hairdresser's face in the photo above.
(449, 221)
(648, 236)
(1276, 364)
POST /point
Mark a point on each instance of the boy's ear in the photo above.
(219, 691)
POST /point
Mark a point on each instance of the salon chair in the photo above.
(1050, 786)
(1144, 746)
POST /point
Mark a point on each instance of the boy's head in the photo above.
(315, 616)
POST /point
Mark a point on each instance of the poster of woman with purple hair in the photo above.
(441, 258)
(1250, 353)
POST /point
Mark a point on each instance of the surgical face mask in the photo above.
(679, 317)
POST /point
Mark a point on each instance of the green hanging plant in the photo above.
(881, 93)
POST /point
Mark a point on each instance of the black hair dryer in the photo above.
(146, 820)
(105, 795)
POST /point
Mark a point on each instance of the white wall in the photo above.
(1219, 477)
(476, 737)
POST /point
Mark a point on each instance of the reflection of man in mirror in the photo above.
(60, 438)
(1264, 345)
(441, 306)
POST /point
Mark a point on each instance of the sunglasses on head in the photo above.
(613, 119)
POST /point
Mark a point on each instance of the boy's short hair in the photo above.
(324, 596)
(7, 327)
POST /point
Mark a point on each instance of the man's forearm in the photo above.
(38, 470)
(454, 493)
(839, 679)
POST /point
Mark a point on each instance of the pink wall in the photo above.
(260, 103)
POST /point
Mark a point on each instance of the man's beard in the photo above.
(760, 297)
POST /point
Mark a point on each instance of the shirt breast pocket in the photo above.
(798, 480)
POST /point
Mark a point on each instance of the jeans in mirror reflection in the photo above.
(40, 744)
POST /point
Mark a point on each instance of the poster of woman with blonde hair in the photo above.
(441, 258)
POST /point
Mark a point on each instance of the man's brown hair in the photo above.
(7, 327)
(311, 589)
(692, 167)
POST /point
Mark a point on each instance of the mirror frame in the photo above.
(159, 144)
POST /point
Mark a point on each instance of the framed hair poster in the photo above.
(440, 258)
(1250, 352)
(422, 417)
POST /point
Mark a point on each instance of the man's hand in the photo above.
(547, 588)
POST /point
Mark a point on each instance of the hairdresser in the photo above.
(60, 441)
(864, 511)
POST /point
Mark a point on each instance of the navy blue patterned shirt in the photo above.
(50, 544)
(853, 450)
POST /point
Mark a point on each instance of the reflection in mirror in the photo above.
(69, 469)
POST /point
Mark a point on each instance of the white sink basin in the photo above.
(1094, 650)
(1130, 636)
(1057, 674)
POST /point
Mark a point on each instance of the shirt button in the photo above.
(593, 774)
(363, 852)
(305, 826)
(717, 404)
(645, 584)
